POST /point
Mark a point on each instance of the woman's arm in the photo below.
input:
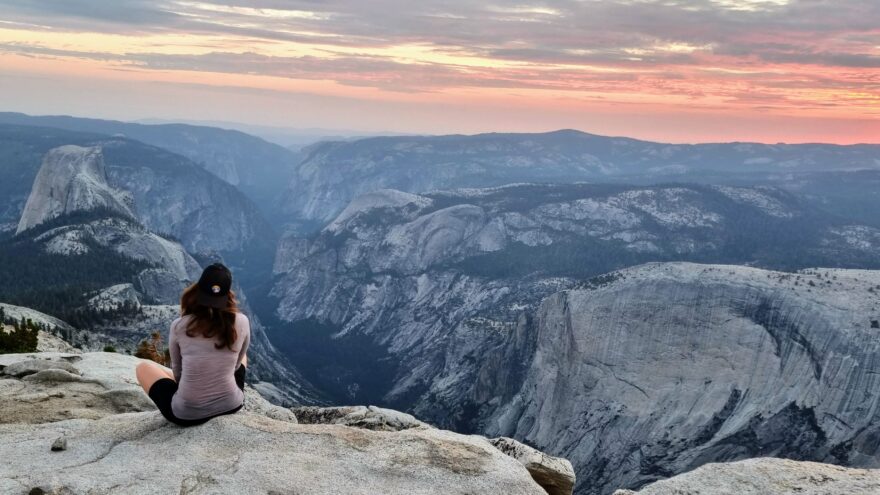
(245, 332)
(174, 350)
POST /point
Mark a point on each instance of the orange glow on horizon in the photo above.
(421, 75)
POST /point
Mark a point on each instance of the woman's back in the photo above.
(204, 373)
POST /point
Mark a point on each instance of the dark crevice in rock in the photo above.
(718, 419)
(792, 433)
(784, 333)
(120, 441)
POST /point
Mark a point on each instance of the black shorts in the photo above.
(163, 391)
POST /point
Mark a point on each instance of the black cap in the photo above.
(214, 285)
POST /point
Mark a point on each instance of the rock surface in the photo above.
(72, 178)
(171, 268)
(765, 476)
(666, 367)
(47, 342)
(260, 450)
(368, 417)
(19, 312)
(249, 453)
(554, 474)
(48, 387)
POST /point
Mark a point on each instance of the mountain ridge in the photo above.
(242, 160)
(71, 178)
(333, 173)
(437, 294)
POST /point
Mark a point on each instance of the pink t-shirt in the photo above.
(205, 375)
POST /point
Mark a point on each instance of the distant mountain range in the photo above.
(167, 192)
(534, 285)
(334, 173)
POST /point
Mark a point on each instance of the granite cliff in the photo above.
(662, 368)
(497, 312)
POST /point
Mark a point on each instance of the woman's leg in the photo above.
(149, 373)
(240, 372)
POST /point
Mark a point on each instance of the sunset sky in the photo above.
(672, 70)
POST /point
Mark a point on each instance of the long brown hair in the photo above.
(207, 321)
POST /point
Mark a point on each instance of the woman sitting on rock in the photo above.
(208, 346)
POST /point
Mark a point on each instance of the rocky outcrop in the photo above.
(71, 424)
(114, 297)
(555, 474)
(167, 267)
(765, 476)
(49, 387)
(19, 312)
(259, 168)
(71, 178)
(665, 367)
(369, 417)
(48, 337)
(48, 342)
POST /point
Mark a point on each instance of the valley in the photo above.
(638, 308)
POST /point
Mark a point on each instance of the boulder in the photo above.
(53, 375)
(255, 403)
(31, 366)
(762, 476)
(46, 342)
(554, 474)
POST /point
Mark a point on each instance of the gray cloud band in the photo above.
(625, 34)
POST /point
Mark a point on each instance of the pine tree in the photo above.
(23, 337)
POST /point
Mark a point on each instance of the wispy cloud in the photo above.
(782, 54)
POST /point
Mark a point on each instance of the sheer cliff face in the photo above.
(71, 178)
(72, 184)
(670, 366)
(171, 195)
(165, 192)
